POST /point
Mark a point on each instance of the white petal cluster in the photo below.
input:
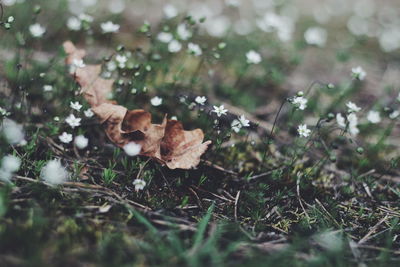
(54, 173)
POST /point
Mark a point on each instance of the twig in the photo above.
(236, 205)
(373, 229)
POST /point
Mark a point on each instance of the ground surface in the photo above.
(264, 196)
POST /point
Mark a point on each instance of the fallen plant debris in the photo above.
(167, 142)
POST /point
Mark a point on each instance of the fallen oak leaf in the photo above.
(95, 89)
(167, 142)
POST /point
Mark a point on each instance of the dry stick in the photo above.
(236, 205)
(373, 229)
(197, 198)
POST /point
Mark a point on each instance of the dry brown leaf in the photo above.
(167, 142)
(94, 88)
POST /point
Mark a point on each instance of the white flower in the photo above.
(165, 37)
(200, 100)
(65, 138)
(374, 117)
(170, 11)
(237, 124)
(253, 57)
(12, 131)
(109, 27)
(81, 141)
(132, 149)
(139, 184)
(174, 46)
(394, 114)
(121, 59)
(194, 49)
(358, 73)
(5, 175)
(10, 163)
(74, 24)
(352, 107)
(341, 120)
(88, 113)
(183, 32)
(54, 173)
(85, 17)
(300, 102)
(243, 121)
(75, 105)
(78, 63)
(73, 121)
(303, 130)
(47, 88)
(174, 118)
(37, 30)
(219, 110)
(316, 36)
(156, 101)
(353, 122)
(4, 112)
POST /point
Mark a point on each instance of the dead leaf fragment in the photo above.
(167, 142)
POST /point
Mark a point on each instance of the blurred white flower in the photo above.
(37, 30)
(389, 39)
(85, 17)
(300, 102)
(5, 176)
(174, 118)
(75, 105)
(183, 32)
(217, 26)
(303, 131)
(81, 141)
(174, 46)
(47, 88)
(132, 149)
(170, 11)
(398, 97)
(4, 112)
(194, 49)
(12, 131)
(341, 121)
(353, 122)
(88, 113)
(394, 114)
(352, 107)
(253, 57)
(65, 138)
(374, 117)
(76, 64)
(237, 124)
(116, 6)
(10, 163)
(200, 100)
(165, 37)
(233, 3)
(316, 36)
(74, 24)
(243, 121)
(284, 26)
(54, 173)
(219, 110)
(358, 73)
(139, 184)
(109, 27)
(9, 2)
(73, 121)
(121, 59)
(156, 101)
